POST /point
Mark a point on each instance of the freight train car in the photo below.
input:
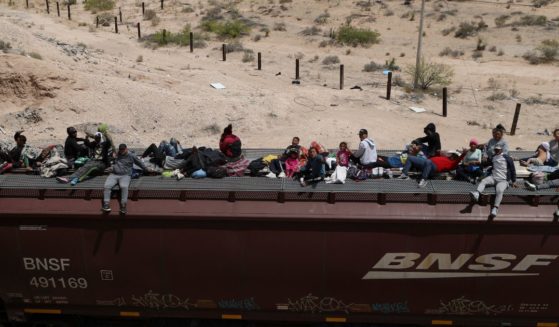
(378, 251)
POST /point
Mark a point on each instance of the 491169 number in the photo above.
(60, 282)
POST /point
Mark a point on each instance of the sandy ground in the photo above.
(168, 92)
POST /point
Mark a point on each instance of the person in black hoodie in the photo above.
(72, 149)
(433, 140)
(99, 155)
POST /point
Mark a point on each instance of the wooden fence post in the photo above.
(515, 119)
(116, 25)
(139, 32)
(161, 4)
(297, 69)
(69, 13)
(445, 98)
(58, 8)
(341, 77)
(389, 86)
(259, 61)
(224, 50)
(97, 22)
(191, 41)
(48, 7)
(143, 8)
(120, 14)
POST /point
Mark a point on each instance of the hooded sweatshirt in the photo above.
(367, 152)
(445, 164)
(432, 139)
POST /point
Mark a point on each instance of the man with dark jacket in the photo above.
(99, 155)
(433, 140)
(314, 170)
(72, 149)
(121, 175)
(502, 173)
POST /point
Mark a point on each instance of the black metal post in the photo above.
(445, 98)
(224, 50)
(389, 86)
(58, 8)
(296, 69)
(259, 61)
(191, 41)
(341, 77)
(116, 25)
(139, 32)
(515, 119)
(69, 13)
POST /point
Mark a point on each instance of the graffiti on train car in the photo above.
(465, 265)
(465, 306)
(247, 304)
(159, 301)
(312, 303)
(391, 307)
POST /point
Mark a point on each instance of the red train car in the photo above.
(370, 252)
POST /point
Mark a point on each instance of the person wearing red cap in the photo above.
(470, 169)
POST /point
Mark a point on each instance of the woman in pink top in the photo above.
(292, 163)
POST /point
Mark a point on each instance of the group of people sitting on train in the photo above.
(485, 164)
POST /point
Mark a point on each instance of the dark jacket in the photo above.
(73, 150)
(105, 147)
(123, 164)
(315, 166)
(432, 139)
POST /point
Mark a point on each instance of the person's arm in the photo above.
(424, 139)
(359, 152)
(139, 162)
(512, 169)
(505, 148)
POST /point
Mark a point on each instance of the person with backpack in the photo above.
(502, 172)
(230, 144)
(99, 154)
(121, 175)
(314, 171)
(366, 154)
(431, 142)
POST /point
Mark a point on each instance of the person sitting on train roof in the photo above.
(432, 139)
(121, 175)
(502, 172)
(429, 167)
(497, 139)
(314, 171)
(230, 144)
(277, 166)
(470, 169)
(104, 130)
(366, 155)
(18, 157)
(554, 148)
(75, 147)
(99, 154)
(541, 157)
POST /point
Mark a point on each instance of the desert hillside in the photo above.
(56, 72)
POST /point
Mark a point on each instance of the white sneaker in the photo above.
(530, 186)
(176, 172)
(422, 183)
(282, 175)
(302, 181)
(494, 212)
(405, 177)
(180, 176)
(475, 196)
(271, 175)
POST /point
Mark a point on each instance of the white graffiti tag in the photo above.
(311, 303)
(160, 301)
(464, 306)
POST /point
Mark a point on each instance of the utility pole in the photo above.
(419, 41)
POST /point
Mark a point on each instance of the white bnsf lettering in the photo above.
(46, 264)
(410, 265)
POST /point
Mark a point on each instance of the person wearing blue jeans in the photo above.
(121, 175)
(426, 166)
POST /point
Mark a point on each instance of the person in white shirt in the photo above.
(366, 154)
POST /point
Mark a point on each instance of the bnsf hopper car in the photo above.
(378, 251)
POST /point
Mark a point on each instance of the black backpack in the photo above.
(256, 166)
(216, 172)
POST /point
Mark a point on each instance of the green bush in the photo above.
(99, 5)
(228, 29)
(531, 20)
(181, 38)
(431, 74)
(348, 35)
